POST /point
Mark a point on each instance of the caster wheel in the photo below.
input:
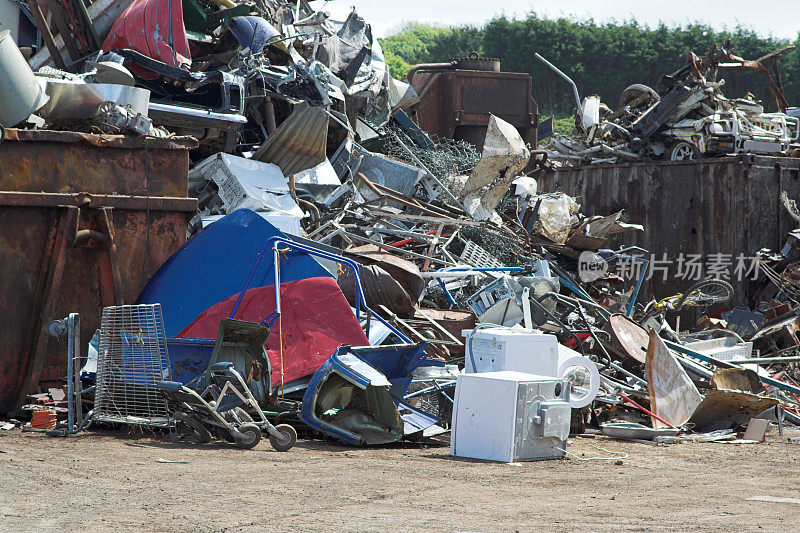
(288, 438)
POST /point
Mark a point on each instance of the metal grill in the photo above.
(475, 256)
(132, 357)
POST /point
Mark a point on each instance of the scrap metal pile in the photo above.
(349, 268)
(686, 117)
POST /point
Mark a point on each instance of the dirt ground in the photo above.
(112, 481)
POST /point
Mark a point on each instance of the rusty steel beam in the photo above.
(133, 203)
(112, 269)
(47, 35)
(49, 283)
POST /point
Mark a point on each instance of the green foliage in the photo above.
(564, 125)
(420, 43)
(413, 43)
(602, 59)
(397, 67)
(456, 42)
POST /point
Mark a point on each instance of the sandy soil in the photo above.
(112, 481)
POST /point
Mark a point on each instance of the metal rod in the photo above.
(725, 364)
(464, 272)
(574, 87)
(645, 410)
(396, 250)
(635, 294)
(276, 257)
(431, 174)
(788, 359)
(70, 371)
(447, 293)
(275, 241)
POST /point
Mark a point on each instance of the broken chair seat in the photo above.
(169, 385)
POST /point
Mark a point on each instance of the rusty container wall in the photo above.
(54, 258)
(717, 206)
(456, 104)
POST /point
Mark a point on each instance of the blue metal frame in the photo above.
(635, 295)
(273, 242)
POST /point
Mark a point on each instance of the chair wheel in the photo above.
(252, 436)
(288, 438)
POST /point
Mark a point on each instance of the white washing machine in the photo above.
(510, 416)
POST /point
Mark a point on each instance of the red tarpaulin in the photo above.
(316, 320)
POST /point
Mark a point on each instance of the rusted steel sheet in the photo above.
(104, 141)
(456, 103)
(715, 206)
(72, 162)
(69, 251)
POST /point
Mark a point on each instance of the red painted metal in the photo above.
(154, 28)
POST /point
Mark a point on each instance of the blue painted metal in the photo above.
(635, 294)
(395, 361)
(210, 266)
(350, 368)
(443, 285)
(388, 367)
(576, 289)
(188, 357)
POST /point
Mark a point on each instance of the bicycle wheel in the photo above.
(705, 293)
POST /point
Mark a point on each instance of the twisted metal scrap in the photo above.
(448, 158)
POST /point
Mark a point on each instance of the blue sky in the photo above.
(780, 18)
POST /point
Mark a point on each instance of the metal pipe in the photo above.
(635, 294)
(70, 371)
(394, 197)
(645, 410)
(276, 258)
(89, 234)
(464, 272)
(634, 377)
(619, 152)
(447, 293)
(574, 301)
(725, 364)
(790, 359)
(567, 78)
(269, 115)
(76, 376)
(428, 66)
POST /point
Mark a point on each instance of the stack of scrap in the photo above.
(387, 264)
(686, 117)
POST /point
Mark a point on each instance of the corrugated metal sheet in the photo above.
(726, 205)
(299, 142)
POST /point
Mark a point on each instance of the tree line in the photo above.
(602, 59)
